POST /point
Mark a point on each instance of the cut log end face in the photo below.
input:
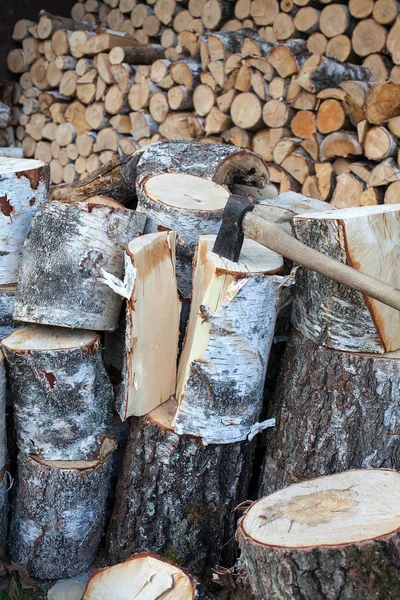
(18, 165)
(144, 576)
(334, 510)
(35, 337)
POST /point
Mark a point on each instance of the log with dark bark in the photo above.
(330, 313)
(155, 510)
(59, 513)
(223, 164)
(67, 252)
(353, 416)
(223, 366)
(319, 72)
(144, 573)
(61, 394)
(24, 186)
(115, 179)
(333, 537)
(187, 204)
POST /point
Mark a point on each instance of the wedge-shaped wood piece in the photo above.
(348, 524)
(106, 41)
(230, 330)
(365, 238)
(152, 325)
(144, 576)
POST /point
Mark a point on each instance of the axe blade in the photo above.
(229, 241)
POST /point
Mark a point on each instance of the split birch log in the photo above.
(220, 163)
(189, 205)
(222, 369)
(330, 313)
(116, 180)
(59, 514)
(323, 538)
(362, 421)
(66, 252)
(201, 511)
(144, 573)
(152, 307)
(61, 394)
(24, 186)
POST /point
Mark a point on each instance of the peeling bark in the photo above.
(334, 411)
(24, 186)
(68, 249)
(61, 394)
(59, 514)
(177, 497)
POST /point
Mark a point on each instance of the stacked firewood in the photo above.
(87, 95)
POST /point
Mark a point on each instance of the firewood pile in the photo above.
(304, 86)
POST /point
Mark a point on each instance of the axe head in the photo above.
(230, 238)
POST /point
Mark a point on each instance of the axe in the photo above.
(238, 221)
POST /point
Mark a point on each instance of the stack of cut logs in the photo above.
(268, 80)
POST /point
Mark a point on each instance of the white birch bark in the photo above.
(230, 331)
(61, 394)
(24, 186)
(66, 252)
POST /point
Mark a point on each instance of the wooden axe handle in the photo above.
(275, 238)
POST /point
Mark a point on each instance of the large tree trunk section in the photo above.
(146, 576)
(148, 376)
(115, 179)
(189, 205)
(174, 488)
(7, 303)
(24, 185)
(59, 513)
(68, 249)
(352, 408)
(224, 360)
(223, 164)
(330, 313)
(61, 393)
(333, 537)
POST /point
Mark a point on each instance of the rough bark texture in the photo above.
(360, 571)
(4, 480)
(177, 497)
(328, 312)
(221, 163)
(59, 515)
(116, 180)
(7, 302)
(223, 396)
(322, 72)
(22, 190)
(66, 251)
(62, 400)
(334, 411)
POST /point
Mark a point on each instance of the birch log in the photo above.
(4, 480)
(331, 314)
(174, 488)
(7, 302)
(68, 249)
(24, 185)
(116, 180)
(144, 575)
(334, 537)
(224, 360)
(352, 401)
(189, 205)
(152, 325)
(61, 394)
(59, 513)
(220, 163)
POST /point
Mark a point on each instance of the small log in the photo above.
(379, 144)
(319, 72)
(330, 521)
(140, 55)
(287, 59)
(144, 126)
(392, 193)
(384, 173)
(382, 103)
(61, 394)
(330, 117)
(303, 124)
(61, 542)
(334, 20)
(331, 314)
(152, 260)
(84, 240)
(317, 43)
(211, 402)
(145, 573)
(340, 143)
(361, 9)
(246, 111)
(216, 479)
(48, 24)
(368, 37)
(215, 13)
(348, 191)
(392, 43)
(103, 42)
(379, 66)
